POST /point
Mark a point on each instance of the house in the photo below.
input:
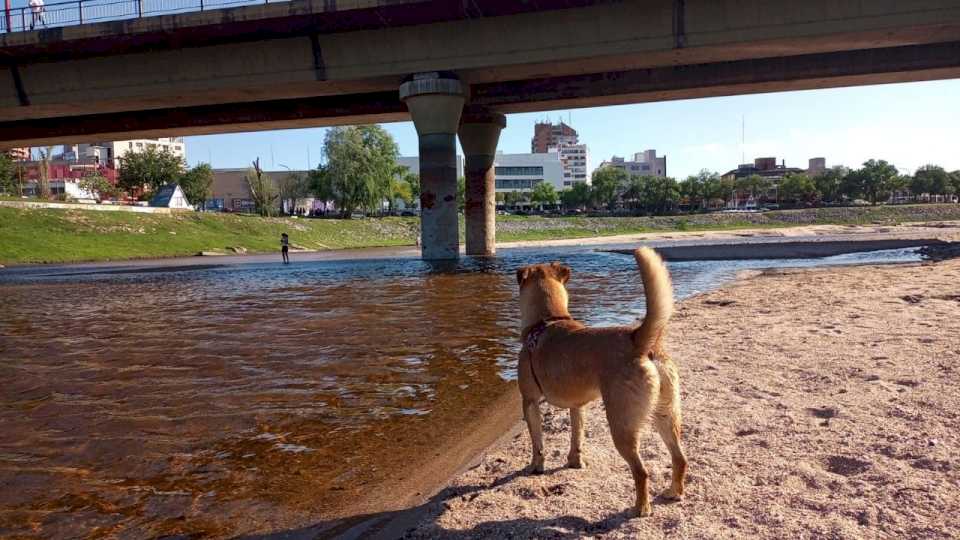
(171, 196)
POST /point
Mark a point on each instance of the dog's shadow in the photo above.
(401, 524)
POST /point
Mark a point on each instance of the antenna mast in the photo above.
(743, 138)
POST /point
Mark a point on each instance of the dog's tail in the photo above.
(659, 293)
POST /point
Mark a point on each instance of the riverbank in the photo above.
(30, 236)
(816, 403)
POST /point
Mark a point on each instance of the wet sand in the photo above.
(817, 403)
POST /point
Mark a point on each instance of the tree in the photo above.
(98, 186)
(697, 190)
(8, 174)
(661, 194)
(360, 163)
(754, 186)
(197, 184)
(829, 182)
(413, 180)
(321, 186)
(931, 179)
(149, 170)
(634, 192)
(578, 196)
(544, 193)
(798, 188)
(874, 181)
(262, 191)
(461, 193)
(955, 181)
(43, 176)
(608, 183)
(291, 187)
(400, 190)
(513, 198)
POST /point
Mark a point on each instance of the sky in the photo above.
(909, 125)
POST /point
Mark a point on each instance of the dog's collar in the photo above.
(537, 330)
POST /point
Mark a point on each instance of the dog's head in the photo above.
(542, 292)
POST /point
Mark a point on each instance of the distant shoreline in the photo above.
(47, 236)
(789, 243)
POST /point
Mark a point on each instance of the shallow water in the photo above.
(229, 399)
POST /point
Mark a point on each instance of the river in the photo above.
(228, 399)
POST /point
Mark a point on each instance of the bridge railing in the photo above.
(58, 14)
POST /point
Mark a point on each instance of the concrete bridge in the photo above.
(454, 67)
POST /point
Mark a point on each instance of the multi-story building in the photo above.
(112, 152)
(816, 165)
(644, 163)
(765, 167)
(574, 159)
(547, 136)
(521, 172)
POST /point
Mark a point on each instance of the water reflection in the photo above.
(223, 400)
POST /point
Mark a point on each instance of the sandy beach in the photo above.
(818, 403)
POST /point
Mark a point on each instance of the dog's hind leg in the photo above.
(668, 426)
(575, 457)
(531, 413)
(629, 402)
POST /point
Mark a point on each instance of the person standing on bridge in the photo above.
(285, 247)
(36, 9)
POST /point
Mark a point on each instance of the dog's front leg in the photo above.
(575, 457)
(531, 413)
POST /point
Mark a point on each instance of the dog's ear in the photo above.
(522, 275)
(562, 271)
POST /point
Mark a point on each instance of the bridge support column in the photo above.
(479, 133)
(435, 102)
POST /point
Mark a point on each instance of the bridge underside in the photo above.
(802, 72)
(320, 63)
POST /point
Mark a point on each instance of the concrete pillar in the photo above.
(435, 102)
(479, 134)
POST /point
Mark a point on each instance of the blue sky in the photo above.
(907, 124)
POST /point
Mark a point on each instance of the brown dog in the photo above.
(571, 365)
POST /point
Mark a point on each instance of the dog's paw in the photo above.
(643, 511)
(576, 462)
(671, 494)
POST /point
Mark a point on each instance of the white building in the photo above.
(644, 163)
(574, 158)
(112, 152)
(520, 172)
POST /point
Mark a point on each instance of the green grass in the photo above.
(56, 235)
(49, 235)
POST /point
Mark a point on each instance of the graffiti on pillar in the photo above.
(448, 198)
(427, 199)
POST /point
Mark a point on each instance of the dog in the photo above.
(571, 365)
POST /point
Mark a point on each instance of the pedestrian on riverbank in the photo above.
(36, 9)
(285, 247)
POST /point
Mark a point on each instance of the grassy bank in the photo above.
(32, 236)
(54, 235)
